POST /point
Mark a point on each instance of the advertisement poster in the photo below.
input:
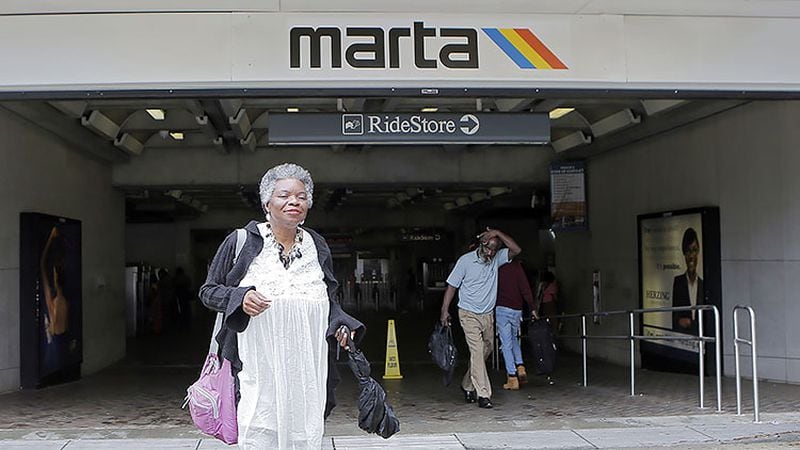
(677, 253)
(50, 299)
(568, 195)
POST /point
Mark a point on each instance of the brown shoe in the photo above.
(522, 375)
(512, 384)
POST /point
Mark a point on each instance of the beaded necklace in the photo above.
(294, 253)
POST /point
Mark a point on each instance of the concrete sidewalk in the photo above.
(702, 431)
(136, 404)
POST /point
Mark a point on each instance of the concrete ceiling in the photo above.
(120, 130)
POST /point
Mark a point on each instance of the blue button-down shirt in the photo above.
(476, 281)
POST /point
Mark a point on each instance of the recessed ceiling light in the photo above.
(560, 112)
(430, 109)
(177, 135)
(157, 114)
(292, 109)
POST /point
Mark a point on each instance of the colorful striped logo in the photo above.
(524, 48)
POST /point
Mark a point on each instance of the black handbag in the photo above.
(443, 350)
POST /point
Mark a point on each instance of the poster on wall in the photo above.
(679, 265)
(568, 195)
(51, 344)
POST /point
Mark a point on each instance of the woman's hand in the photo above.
(255, 303)
(341, 336)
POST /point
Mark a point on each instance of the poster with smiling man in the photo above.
(673, 257)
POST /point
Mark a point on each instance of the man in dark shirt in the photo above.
(687, 288)
(512, 290)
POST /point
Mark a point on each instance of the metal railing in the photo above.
(633, 337)
(752, 343)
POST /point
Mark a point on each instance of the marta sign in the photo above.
(457, 47)
(422, 128)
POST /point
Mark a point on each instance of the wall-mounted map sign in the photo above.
(568, 195)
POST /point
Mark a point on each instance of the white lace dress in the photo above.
(284, 354)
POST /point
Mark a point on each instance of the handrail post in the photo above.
(633, 362)
(583, 349)
(755, 362)
(702, 359)
(753, 356)
(718, 356)
(736, 361)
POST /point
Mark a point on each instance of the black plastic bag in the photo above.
(443, 350)
(375, 414)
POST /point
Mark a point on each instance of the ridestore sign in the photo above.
(353, 124)
(409, 128)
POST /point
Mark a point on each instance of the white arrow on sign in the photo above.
(469, 124)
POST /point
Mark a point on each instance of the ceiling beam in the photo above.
(68, 130)
(653, 107)
(73, 109)
(195, 107)
(513, 104)
(230, 107)
(547, 105)
(240, 124)
(101, 124)
(652, 126)
(354, 104)
(224, 141)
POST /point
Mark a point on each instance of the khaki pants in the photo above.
(479, 332)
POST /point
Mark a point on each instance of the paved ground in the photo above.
(136, 404)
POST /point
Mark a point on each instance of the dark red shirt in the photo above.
(513, 287)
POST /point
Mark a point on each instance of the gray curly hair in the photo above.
(281, 172)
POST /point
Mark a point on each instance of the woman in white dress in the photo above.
(282, 320)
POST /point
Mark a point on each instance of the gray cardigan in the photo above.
(221, 293)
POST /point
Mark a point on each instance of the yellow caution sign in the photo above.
(392, 371)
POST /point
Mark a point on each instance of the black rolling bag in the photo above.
(543, 346)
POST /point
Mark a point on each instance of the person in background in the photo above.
(282, 321)
(165, 289)
(184, 297)
(549, 299)
(474, 277)
(513, 290)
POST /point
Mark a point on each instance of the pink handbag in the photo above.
(212, 398)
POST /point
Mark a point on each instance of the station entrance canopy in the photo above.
(182, 97)
(250, 51)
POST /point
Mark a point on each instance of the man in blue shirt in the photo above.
(474, 277)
